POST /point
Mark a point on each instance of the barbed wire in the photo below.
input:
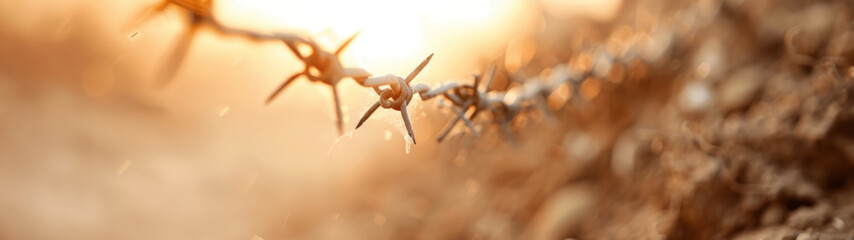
(325, 67)
(467, 101)
(201, 14)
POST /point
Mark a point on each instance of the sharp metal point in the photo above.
(406, 121)
(282, 87)
(418, 69)
(368, 114)
(347, 42)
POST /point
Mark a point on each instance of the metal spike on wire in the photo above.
(325, 67)
(465, 97)
(200, 14)
(504, 113)
(398, 94)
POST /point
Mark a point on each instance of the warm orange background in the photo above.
(91, 148)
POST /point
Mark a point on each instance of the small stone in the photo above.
(805, 217)
(580, 146)
(562, 213)
(838, 223)
(817, 23)
(623, 154)
(772, 215)
(737, 91)
(808, 235)
(710, 59)
(695, 97)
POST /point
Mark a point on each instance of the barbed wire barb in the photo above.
(179, 52)
(474, 97)
(397, 95)
(467, 101)
(200, 14)
(325, 67)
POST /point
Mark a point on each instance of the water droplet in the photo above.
(408, 143)
(345, 113)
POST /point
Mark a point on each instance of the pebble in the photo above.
(695, 97)
(739, 89)
(563, 211)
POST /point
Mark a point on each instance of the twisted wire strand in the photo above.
(200, 13)
(396, 93)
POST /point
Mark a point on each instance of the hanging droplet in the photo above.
(408, 143)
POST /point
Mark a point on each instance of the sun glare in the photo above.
(390, 29)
